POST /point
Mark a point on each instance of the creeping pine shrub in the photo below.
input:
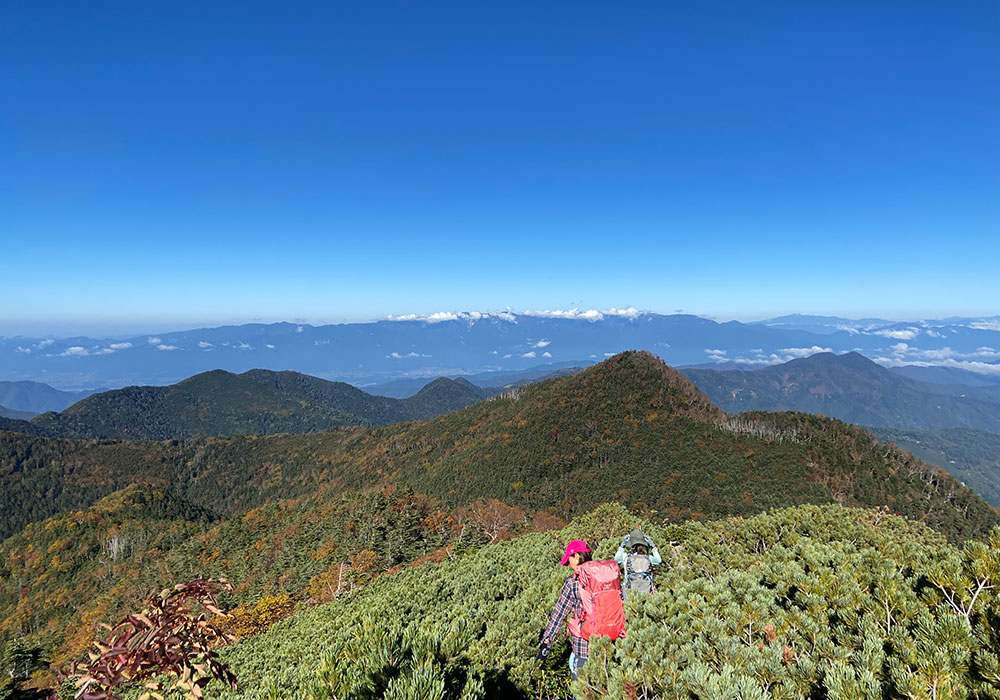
(379, 658)
(809, 602)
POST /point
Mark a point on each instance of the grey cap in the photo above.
(635, 537)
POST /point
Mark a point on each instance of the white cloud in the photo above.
(204, 344)
(792, 353)
(898, 333)
(933, 334)
(511, 317)
(986, 325)
(631, 312)
(269, 346)
(398, 356)
(24, 350)
(968, 365)
(494, 352)
(161, 346)
(609, 354)
(590, 315)
(75, 351)
(850, 329)
(244, 346)
(113, 348)
(546, 354)
(529, 354)
(760, 359)
(299, 329)
(154, 341)
(542, 344)
(756, 361)
(902, 353)
(44, 344)
(507, 356)
(441, 316)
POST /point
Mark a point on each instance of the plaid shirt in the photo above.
(569, 602)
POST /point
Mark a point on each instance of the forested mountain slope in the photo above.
(258, 402)
(971, 456)
(629, 429)
(60, 577)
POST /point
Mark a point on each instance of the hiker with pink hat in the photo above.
(591, 598)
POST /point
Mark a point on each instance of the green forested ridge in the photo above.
(629, 429)
(806, 602)
(258, 402)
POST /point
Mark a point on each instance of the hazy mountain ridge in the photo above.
(852, 388)
(16, 415)
(471, 343)
(36, 397)
(491, 382)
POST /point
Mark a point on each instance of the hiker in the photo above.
(638, 555)
(592, 594)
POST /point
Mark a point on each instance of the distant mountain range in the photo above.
(452, 344)
(36, 397)
(16, 415)
(258, 402)
(490, 382)
(854, 389)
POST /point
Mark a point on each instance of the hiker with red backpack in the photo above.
(592, 599)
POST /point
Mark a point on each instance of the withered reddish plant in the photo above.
(169, 645)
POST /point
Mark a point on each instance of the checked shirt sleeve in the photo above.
(567, 603)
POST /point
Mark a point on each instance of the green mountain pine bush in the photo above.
(806, 602)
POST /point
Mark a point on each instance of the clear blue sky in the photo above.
(176, 163)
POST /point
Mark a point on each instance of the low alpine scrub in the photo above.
(808, 602)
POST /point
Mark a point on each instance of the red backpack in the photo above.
(599, 586)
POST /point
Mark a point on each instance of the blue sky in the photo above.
(169, 164)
